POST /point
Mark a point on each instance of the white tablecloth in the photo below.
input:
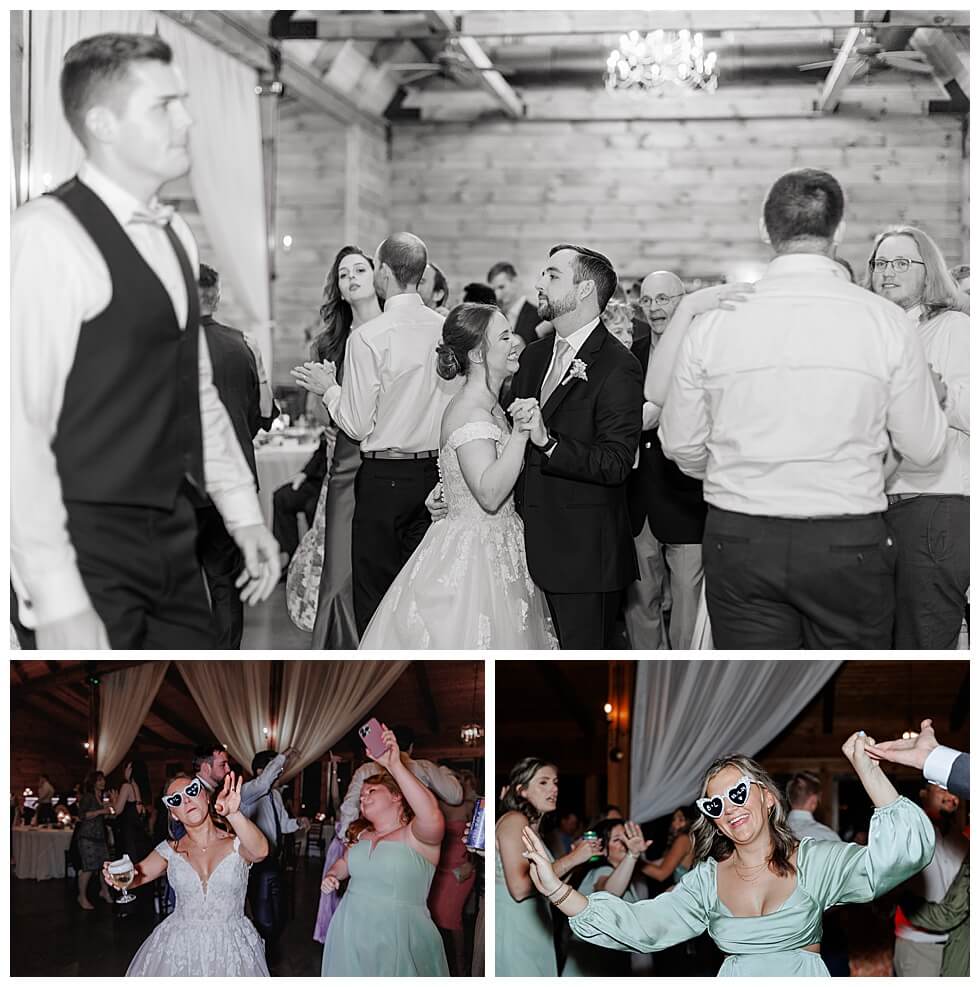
(39, 854)
(276, 464)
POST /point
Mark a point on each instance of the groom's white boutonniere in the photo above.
(577, 371)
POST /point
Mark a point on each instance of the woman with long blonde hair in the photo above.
(760, 894)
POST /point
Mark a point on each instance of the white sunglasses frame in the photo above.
(183, 793)
(745, 779)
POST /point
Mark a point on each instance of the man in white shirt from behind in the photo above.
(803, 793)
(392, 402)
(786, 405)
(124, 99)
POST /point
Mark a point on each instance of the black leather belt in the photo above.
(898, 498)
(397, 454)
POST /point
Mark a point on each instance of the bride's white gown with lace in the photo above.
(467, 585)
(207, 935)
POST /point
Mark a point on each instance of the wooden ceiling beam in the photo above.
(524, 23)
(76, 673)
(236, 37)
(425, 696)
(488, 78)
(554, 676)
(192, 734)
(948, 55)
(16, 672)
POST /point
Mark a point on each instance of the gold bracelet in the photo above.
(568, 891)
(556, 891)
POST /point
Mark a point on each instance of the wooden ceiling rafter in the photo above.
(74, 673)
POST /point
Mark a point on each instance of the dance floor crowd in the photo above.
(782, 464)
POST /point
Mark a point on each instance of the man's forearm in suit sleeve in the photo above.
(259, 787)
(609, 458)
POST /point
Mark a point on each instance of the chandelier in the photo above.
(472, 733)
(644, 64)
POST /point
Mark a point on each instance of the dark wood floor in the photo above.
(268, 627)
(52, 937)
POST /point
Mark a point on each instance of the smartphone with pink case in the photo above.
(370, 735)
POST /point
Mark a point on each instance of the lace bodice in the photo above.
(222, 899)
(459, 500)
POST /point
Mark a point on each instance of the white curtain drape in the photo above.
(233, 696)
(322, 700)
(226, 142)
(687, 713)
(124, 700)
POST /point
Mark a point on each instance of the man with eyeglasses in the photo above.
(667, 508)
(929, 506)
(786, 404)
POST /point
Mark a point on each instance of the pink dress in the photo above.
(447, 896)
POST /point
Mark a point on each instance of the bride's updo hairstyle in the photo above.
(464, 330)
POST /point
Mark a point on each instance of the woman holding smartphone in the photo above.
(383, 927)
(759, 892)
(525, 945)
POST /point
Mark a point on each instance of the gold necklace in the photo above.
(740, 874)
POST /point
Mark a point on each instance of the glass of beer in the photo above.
(123, 872)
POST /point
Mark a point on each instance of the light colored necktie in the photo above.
(557, 371)
(158, 215)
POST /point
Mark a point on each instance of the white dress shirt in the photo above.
(803, 824)
(785, 405)
(59, 280)
(575, 342)
(939, 764)
(946, 341)
(392, 398)
(438, 779)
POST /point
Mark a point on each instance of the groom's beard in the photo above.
(551, 310)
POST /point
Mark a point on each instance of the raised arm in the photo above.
(254, 846)
(660, 369)
(440, 780)
(606, 920)
(619, 880)
(258, 788)
(675, 854)
(428, 825)
(121, 797)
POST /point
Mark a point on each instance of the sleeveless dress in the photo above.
(382, 927)
(207, 935)
(582, 958)
(900, 843)
(523, 933)
(467, 585)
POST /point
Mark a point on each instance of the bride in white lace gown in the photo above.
(208, 934)
(467, 585)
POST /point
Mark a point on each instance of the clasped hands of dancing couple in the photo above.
(758, 891)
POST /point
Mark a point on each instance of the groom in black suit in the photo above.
(582, 392)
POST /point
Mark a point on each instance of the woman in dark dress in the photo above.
(91, 837)
(349, 300)
(130, 806)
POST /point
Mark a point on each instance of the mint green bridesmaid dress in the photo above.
(383, 927)
(525, 943)
(900, 843)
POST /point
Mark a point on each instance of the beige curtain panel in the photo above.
(233, 696)
(124, 700)
(322, 700)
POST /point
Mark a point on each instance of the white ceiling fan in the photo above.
(449, 64)
(869, 56)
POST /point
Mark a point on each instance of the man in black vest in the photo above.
(117, 426)
(582, 392)
(243, 387)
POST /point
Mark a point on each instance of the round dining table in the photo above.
(39, 853)
(277, 462)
